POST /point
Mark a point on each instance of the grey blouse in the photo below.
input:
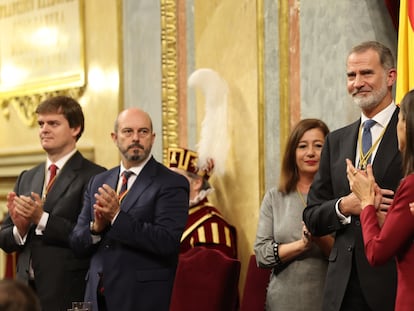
(296, 285)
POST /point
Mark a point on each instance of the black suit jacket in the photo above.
(138, 254)
(330, 183)
(59, 275)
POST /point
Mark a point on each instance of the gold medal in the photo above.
(363, 158)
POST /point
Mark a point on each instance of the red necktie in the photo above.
(53, 169)
(124, 186)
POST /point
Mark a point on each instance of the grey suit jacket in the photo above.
(330, 183)
(138, 253)
(59, 275)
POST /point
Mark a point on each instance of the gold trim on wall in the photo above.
(26, 105)
(294, 62)
(261, 94)
(169, 82)
(284, 73)
(25, 97)
(120, 25)
(169, 75)
(47, 49)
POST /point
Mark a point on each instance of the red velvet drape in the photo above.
(393, 7)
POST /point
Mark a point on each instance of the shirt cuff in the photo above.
(19, 240)
(345, 220)
(95, 238)
(113, 220)
(41, 226)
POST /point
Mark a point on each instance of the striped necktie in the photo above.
(52, 177)
(124, 186)
(367, 138)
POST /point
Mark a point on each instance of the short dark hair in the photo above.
(384, 53)
(67, 106)
(407, 113)
(17, 296)
(289, 175)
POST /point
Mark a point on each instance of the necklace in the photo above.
(363, 158)
(301, 197)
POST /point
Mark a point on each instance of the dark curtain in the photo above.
(393, 7)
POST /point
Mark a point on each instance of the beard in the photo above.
(372, 100)
(137, 155)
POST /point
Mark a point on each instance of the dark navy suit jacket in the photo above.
(59, 275)
(138, 254)
(378, 283)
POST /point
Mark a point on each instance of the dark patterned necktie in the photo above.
(124, 185)
(367, 138)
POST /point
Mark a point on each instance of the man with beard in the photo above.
(352, 284)
(133, 235)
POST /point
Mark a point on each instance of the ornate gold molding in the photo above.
(261, 93)
(64, 77)
(26, 105)
(284, 73)
(169, 80)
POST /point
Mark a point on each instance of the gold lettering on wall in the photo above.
(13, 8)
(42, 53)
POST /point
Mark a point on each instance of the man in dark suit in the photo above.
(42, 214)
(352, 284)
(133, 235)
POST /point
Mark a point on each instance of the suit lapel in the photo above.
(346, 150)
(63, 180)
(349, 144)
(144, 179)
(38, 179)
(112, 179)
(387, 149)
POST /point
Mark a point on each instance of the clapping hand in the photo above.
(412, 208)
(306, 237)
(106, 206)
(361, 183)
(29, 207)
(22, 223)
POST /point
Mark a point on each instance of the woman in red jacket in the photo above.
(392, 236)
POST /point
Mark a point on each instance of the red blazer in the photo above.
(394, 239)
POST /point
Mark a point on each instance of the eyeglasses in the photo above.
(142, 132)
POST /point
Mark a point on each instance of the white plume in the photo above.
(214, 142)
